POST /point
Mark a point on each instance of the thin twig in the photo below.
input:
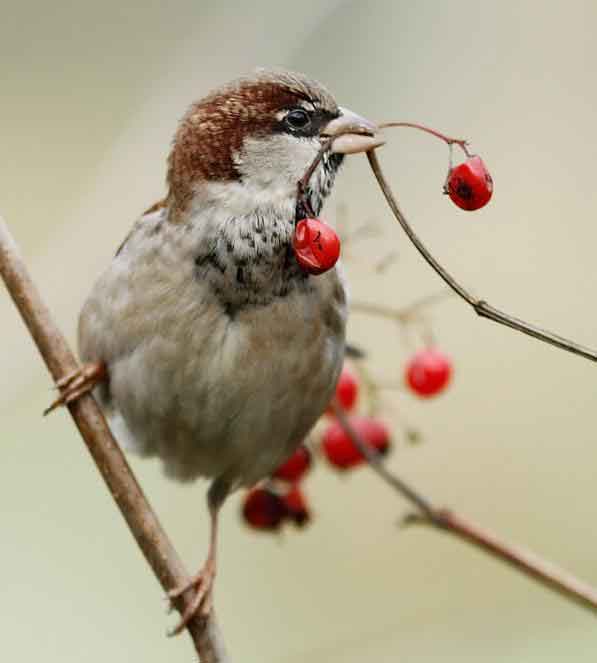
(527, 562)
(303, 205)
(401, 315)
(481, 307)
(140, 517)
(461, 142)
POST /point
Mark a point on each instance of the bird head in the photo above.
(245, 146)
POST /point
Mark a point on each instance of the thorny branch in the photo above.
(140, 517)
(525, 561)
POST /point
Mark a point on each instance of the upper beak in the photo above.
(353, 133)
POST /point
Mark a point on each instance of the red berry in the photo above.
(296, 466)
(296, 506)
(264, 509)
(316, 246)
(347, 389)
(469, 184)
(339, 448)
(428, 372)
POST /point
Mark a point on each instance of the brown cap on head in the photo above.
(213, 129)
(265, 128)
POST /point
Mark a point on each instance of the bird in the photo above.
(204, 341)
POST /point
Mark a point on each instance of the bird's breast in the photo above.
(221, 355)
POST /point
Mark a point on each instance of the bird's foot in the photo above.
(77, 383)
(202, 601)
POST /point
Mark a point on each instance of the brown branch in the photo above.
(481, 307)
(528, 563)
(140, 517)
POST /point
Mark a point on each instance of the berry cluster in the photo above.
(281, 499)
(317, 246)
(336, 445)
(268, 507)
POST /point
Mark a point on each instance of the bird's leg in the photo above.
(203, 580)
(78, 382)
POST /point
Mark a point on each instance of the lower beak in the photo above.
(352, 133)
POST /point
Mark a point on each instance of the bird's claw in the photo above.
(77, 383)
(201, 603)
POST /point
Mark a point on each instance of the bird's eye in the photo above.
(298, 118)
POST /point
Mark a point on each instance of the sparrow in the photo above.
(204, 341)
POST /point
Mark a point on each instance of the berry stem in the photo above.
(462, 143)
(403, 315)
(302, 185)
(480, 306)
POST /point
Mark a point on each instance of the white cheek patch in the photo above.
(278, 161)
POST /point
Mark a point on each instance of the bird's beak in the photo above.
(352, 133)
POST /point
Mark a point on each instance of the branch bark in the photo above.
(122, 484)
(526, 562)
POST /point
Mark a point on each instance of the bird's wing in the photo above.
(154, 208)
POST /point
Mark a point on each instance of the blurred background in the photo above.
(91, 93)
